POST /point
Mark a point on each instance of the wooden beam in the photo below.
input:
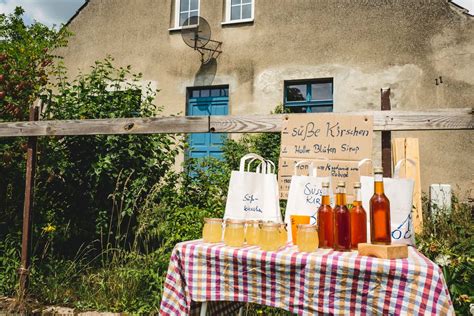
(152, 125)
(452, 119)
(386, 135)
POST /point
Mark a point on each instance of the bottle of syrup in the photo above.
(380, 230)
(342, 220)
(358, 219)
(326, 220)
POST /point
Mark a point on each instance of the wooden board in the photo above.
(403, 148)
(383, 251)
(446, 119)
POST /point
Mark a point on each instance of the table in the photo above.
(323, 282)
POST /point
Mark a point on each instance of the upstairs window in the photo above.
(239, 11)
(309, 96)
(186, 9)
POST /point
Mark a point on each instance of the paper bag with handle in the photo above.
(400, 194)
(253, 194)
(304, 196)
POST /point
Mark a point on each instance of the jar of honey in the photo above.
(212, 230)
(307, 237)
(234, 234)
(252, 232)
(269, 236)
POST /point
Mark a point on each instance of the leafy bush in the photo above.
(448, 240)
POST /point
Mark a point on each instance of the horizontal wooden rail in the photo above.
(446, 119)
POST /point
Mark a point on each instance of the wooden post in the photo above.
(24, 269)
(386, 136)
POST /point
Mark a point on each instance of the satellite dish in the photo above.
(196, 33)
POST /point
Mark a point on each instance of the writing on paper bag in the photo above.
(313, 194)
(250, 203)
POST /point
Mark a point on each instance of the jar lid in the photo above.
(356, 185)
(251, 221)
(210, 219)
(271, 224)
(235, 221)
(307, 227)
(341, 184)
(325, 184)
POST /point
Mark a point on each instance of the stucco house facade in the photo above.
(309, 55)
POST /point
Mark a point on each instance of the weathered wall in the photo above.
(363, 45)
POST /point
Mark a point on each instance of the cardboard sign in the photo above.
(343, 139)
(340, 170)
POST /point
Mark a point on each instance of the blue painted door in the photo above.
(203, 102)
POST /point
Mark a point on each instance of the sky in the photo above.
(48, 12)
(51, 12)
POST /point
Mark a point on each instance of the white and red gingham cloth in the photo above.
(322, 282)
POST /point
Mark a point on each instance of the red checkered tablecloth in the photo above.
(325, 282)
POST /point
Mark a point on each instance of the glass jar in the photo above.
(212, 230)
(307, 238)
(282, 234)
(269, 236)
(234, 234)
(252, 232)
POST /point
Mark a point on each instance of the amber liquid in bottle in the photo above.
(380, 230)
(326, 221)
(358, 220)
(342, 221)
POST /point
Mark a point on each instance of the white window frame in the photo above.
(177, 6)
(228, 10)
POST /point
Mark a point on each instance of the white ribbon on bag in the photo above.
(253, 195)
(305, 193)
(400, 194)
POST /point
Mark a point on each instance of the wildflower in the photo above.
(443, 260)
(464, 298)
(49, 228)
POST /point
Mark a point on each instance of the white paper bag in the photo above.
(304, 195)
(400, 194)
(253, 195)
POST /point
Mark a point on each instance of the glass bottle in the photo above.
(358, 219)
(212, 230)
(326, 220)
(380, 230)
(342, 220)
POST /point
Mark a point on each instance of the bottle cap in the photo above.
(356, 185)
(378, 170)
(325, 184)
(341, 184)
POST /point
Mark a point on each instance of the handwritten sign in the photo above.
(343, 139)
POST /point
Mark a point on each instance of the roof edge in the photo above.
(459, 7)
(77, 13)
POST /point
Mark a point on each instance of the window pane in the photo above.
(204, 93)
(296, 92)
(184, 6)
(224, 92)
(246, 11)
(215, 92)
(235, 2)
(183, 17)
(246, 1)
(194, 4)
(235, 13)
(321, 91)
(195, 94)
(193, 20)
